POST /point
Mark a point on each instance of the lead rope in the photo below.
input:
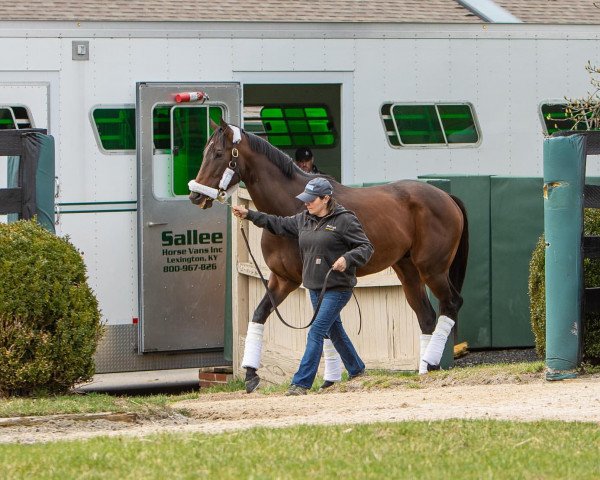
(271, 296)
(266, 285)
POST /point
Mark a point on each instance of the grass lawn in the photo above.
(98, 402)
(454, 449)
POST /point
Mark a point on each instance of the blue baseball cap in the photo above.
(317, 187)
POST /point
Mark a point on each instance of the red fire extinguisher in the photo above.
(191, 97)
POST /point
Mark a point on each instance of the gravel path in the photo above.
(501, 397)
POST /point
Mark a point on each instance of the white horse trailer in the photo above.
(375, 101)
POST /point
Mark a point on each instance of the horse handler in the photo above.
(329, 237)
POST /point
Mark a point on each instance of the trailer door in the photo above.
(182, 251)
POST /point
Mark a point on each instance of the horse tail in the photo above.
(458, 268)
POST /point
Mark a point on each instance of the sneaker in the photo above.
(252, 384)
(359, 374)
(296, 390)
(326, 384)
(432, 368)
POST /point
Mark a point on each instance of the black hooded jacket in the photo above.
(322, 240)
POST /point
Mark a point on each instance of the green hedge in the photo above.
(49, 317)
(537, 295)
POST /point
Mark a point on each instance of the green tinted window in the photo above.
(115, 127)
(388, 124)
(161, 128)
(7, 121)
(556, 118)
(458, 123)
(181, 131)
(14, 117)
(191, 130)
(424, 125)
(293, 126)
(22, 117)
(417, 124)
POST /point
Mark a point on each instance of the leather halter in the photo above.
(223, 192)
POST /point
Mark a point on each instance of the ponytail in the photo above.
(331, 205)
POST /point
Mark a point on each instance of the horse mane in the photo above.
(278, 158)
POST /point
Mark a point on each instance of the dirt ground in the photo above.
(522, 398)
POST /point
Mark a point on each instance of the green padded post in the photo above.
(564, 178)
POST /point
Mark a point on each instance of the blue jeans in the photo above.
(328, 322)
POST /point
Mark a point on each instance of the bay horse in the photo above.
(417, 229)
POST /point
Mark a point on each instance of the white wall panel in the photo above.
(13, 54)
(72, 167)
(246, 54)
(109, 72)
(463, 80)
(370, 147)
(43, 53)
(149, 60)
(108, 244)
(337, 54)
(308, 54)
(523, 123)
(32, 95)
(185, 60)
(430, 70)
(279, 55)
(215, 59)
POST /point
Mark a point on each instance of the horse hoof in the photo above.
(432, 368)
(252, 384)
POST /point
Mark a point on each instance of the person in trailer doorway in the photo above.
(330, 238)
(306, 160)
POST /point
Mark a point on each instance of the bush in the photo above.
(537, 295)
(49, 318)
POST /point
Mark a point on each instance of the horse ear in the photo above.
(224, 123)
(213, 125)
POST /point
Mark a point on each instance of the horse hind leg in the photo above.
(280, 288)
(416, 296)
(450, 303)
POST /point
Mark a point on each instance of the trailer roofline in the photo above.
(293, 30)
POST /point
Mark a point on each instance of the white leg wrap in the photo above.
(333, 362)
(435, 349)
(253, 347)
(425, 339)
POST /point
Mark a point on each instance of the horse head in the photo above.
(219, 173)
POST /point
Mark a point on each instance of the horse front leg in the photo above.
(279, 288)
